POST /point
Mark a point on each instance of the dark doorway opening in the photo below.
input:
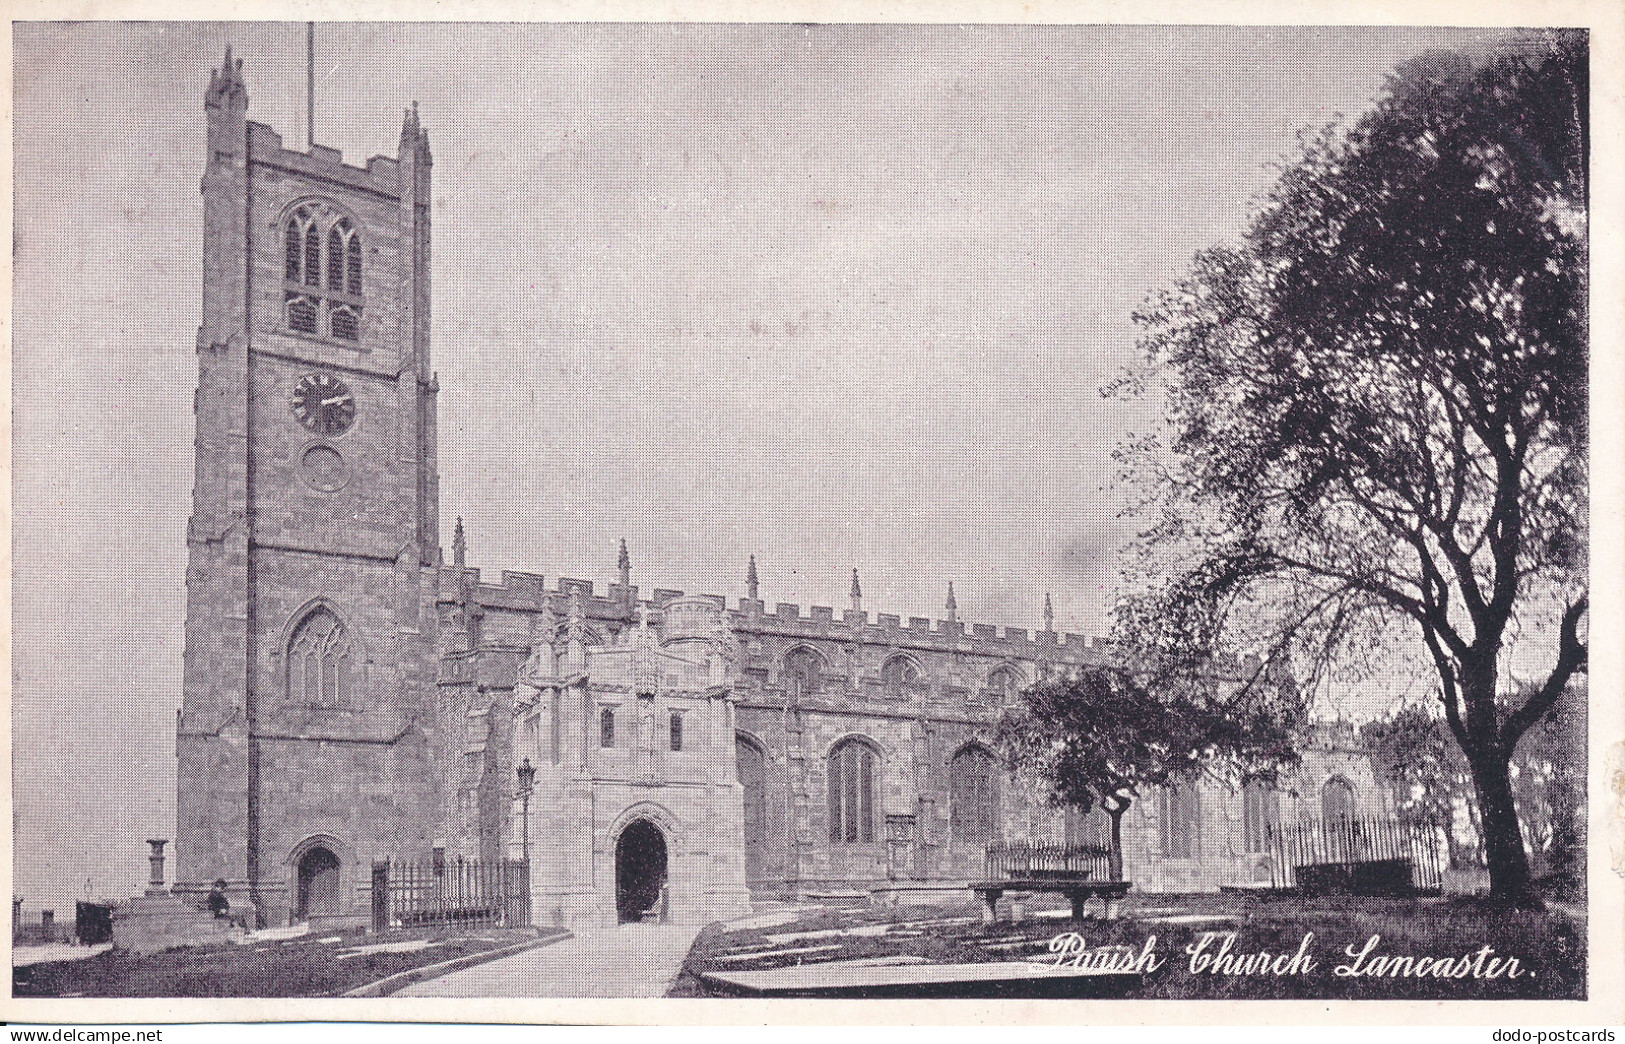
(318, 883)
(640, 873)
(752, 764)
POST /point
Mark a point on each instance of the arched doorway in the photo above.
(640, 872)
(318, 883)
(1341, 827)
(752, 765)
(1337, 802)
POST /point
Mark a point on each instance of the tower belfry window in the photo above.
(313, 256)
(301, 313)
(345, 322)
(296, 249)
(322, 266)
(353, 266)
(335, 258)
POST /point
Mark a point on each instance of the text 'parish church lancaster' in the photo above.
(350, 696)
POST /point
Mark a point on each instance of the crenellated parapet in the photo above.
(879, 658)
(382, 174)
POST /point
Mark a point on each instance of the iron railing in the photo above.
(1314, 850)
(472, 892)
(1022, 859)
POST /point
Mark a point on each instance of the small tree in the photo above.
(1100, 737)
(1377, 404)
(1418, 760)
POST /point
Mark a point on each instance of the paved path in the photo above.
(631, 960)
(23, 956)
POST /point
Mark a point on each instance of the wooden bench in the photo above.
(1075, 888)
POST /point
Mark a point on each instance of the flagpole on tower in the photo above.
(310, 85)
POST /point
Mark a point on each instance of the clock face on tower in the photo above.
(323, 404)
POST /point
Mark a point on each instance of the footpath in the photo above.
(629, 960)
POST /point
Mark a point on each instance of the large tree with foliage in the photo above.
(1102, 737)
(1376, 408)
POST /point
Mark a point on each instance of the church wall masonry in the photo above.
(348, 696)
(966, 676)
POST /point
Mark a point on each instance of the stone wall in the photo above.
(916, 727)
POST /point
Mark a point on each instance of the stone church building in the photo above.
(351, 696)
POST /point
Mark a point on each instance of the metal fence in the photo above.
(472, 892)
(1356, 852)
(1023, 859)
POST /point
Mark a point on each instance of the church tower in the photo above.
(307, 715)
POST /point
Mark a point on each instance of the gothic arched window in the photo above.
(852, 769)
(1260, 813)
(295, 237)
(320, 661)
(316, 279)
(606, 727)
(802, 671)
(1180, 821)
(899, 676)
(1005, 682)
(973, 796)
(313, 255)
(352, 265)
(335, 256)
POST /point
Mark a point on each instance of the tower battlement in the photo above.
(381, 174)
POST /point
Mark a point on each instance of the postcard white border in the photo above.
(1606, 931)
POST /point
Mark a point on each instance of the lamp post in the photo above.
(527, 778)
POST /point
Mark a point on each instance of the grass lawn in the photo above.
(1549, 947)
(322, 965)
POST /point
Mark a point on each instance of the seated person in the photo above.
(219, 905)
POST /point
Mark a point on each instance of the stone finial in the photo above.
(623, 568)
(857, 592)
(952, 606)
(1049, 614)
(415, 138)
(227, 81)
(546, 629)
(751, 587)
(459, 544)
(410, 128)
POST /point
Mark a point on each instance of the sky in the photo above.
(834, 296)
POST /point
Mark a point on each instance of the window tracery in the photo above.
(322, 283)
(321, 661)
(852, 766)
